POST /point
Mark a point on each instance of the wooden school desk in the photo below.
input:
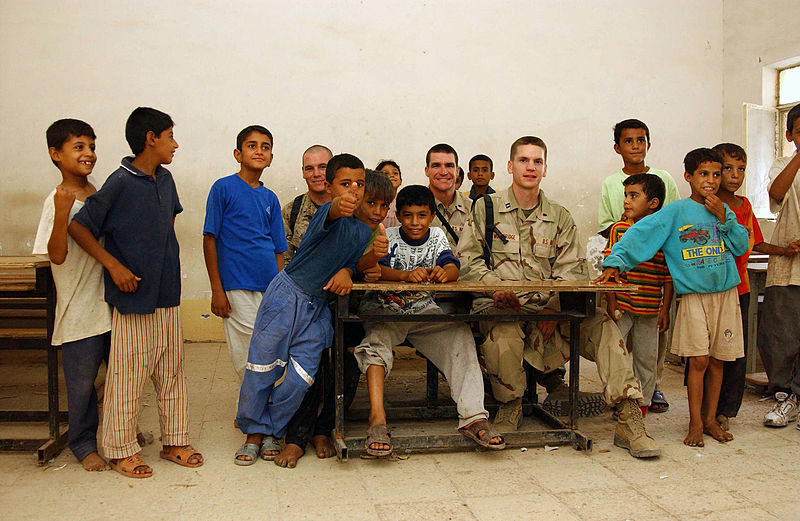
(27, 311)
(577, 303)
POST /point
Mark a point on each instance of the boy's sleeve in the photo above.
(444, 255)
(95, 209)
(612, 240)
(45, 227)
(640, 243)
(276, 229)
(604, 217)
(734, 234)
(672, 191)
(178, 208)
(213, 221)
(470, 247)
(758, 238)
(774, 171)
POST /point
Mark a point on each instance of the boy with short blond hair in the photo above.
(135, 211)
(82, 318)
(699, 236)
(643, 314)
(780, 329)
(243, 241)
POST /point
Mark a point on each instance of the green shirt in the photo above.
(612, 196)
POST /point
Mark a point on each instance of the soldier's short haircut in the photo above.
(416, 195)
(528, 140)
(442, 148)
(652, 186)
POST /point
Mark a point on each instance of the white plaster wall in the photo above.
(378, 79)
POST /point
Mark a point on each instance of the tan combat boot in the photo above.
(631, 433)
(508, 416)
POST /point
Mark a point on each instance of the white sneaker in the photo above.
(784, 411)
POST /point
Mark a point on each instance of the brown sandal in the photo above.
(182, 455)
(482, 432)
(378, 434)
(127, 466)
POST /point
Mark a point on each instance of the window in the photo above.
(788, 95)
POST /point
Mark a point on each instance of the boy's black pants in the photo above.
(733, 373)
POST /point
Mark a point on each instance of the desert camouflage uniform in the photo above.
(456, 214)
(543, 246)
(307, 211)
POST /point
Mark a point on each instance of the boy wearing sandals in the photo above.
(421, 254)
(135, 212)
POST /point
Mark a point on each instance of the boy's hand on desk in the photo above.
(608, 275)
(219, 304)
(341, 283)
(418, 275)
(124, 279)
(506, 299)
(438, 274)
(715, 206)
(63, 199)
(380, 246)
(372, 274)
(344, 205)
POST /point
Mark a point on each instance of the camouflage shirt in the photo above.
(456, 215)
(307, 211)
(542, 246)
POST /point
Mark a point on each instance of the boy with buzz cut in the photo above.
(293, 324)
(643, 314)
(243, 241)
(421, 254)
(699, 237)
(779, 331)
(481, 173)
(134, 211)
(82, 318)
(632, 142)
(734, 164)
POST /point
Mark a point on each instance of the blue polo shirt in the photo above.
(134, 212)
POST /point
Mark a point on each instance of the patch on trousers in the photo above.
(261, 368)
(301, 372)
(501, 382)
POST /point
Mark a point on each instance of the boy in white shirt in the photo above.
(82, 317)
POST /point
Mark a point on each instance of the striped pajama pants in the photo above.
(142, 347)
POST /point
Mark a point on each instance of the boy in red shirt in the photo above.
(734, 163)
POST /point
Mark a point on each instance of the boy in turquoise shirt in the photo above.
(699, 237)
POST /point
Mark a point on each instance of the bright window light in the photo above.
(789, 85)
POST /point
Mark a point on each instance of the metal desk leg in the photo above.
(342, 308)
(574, 370)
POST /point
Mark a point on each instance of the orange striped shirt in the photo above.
(650, 276)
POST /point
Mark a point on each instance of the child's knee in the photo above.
(698, 363)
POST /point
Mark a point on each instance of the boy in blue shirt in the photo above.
(243, 241)
(293, 325)
(135, 212)
(699, 237)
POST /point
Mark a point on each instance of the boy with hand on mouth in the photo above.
(699, 237)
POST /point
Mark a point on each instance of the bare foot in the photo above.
(287, 458)
(322, 445)
(235, 424)
(94, 463)
(695, 436)
(713, 429)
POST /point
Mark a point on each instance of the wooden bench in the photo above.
(27, 311)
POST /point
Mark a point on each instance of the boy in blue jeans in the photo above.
(243, 241)
(699, 237)
(83, 318)
(293, 325)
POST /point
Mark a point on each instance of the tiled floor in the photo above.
(752, 478)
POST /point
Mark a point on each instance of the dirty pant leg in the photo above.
(641, 333)
(169, 379)
(733, 373)
(81, 361)
(779, 337)
(451, 348)
(502, 357)
(291, 330)
(602, 343)
(239, 325)
(376, 348)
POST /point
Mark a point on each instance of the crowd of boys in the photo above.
(273, 273)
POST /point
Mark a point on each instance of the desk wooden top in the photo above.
(23, 262)
(489, 286)
(757, 266)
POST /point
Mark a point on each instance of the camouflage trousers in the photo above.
(508, 343)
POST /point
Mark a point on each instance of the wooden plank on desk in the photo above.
(23, 332)
(489, 286)
(21, 262)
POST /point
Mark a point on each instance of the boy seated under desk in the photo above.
(420, 254)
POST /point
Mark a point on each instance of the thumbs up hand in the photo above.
(380, 246)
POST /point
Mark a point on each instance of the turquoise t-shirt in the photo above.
(698, 248)
(612, 196)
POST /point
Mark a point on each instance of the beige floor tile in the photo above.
(691, 496)
(417, 477)
(416, 510)
(618, 503)
(748, 514)
(538, 507)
